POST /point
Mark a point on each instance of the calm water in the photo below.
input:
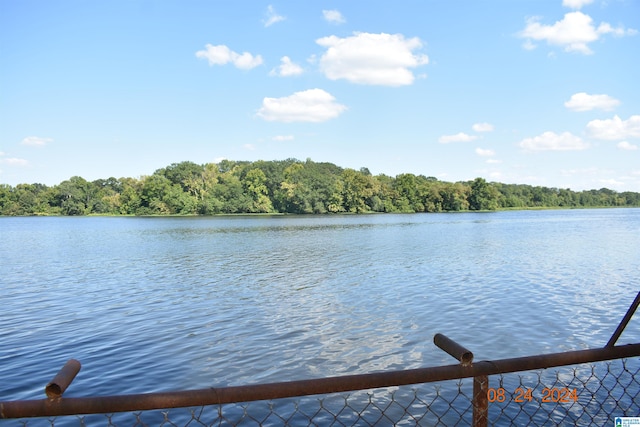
(149, 304)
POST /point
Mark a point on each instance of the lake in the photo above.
(154, 304)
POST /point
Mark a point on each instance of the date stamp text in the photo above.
(522, 395)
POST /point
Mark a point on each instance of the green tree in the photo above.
(454, 196)
(356, 190)
(180, 202)
(295, 191)
(155, 189)
(483, 196)
(129, 198)
(30, 199)
(204, 190)
(408, 199)
(256, 188)
(184, 174)
(429, 194)
(230, 192)
(285, 186)
(107, 196)
(75, 196)
(386, 195)
(8, 206)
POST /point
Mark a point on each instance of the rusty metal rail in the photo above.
(625, 321)
(56, 405)
(214, 396)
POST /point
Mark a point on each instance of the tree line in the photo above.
(286, 186)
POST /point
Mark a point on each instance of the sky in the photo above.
(538, 92)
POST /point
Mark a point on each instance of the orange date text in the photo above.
(522, 395)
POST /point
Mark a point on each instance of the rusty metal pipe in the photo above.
(625, 320)
(63, 378)
(480, 401)
(454, 349)
(214, 396)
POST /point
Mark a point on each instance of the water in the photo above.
(155, 304)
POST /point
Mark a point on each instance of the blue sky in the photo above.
(531, 91)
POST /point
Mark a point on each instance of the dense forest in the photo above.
(287, 186)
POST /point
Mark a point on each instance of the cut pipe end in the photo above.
(454, 349)
(466, 358)
(61, 381)
(53, 391)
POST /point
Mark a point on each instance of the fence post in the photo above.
(480, 401)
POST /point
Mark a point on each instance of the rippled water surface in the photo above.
(150, 304)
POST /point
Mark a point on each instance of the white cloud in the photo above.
(625, 145)
(482, 127)
(459, 137)
(551, 141)
(615, 128)
(286, 68)
(313, 105)
(13, 161)
(333, 16)
(372, 59)
(272, 17)
(485, 152)
(611, 182)
(574, 32)
(584, 171)
(584, 102)
(221, 55)
(494, 161)
(576, 4)
(283, 138)
(36, 141)
(606, 28)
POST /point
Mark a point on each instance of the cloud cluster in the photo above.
(286, 68)
(283, 138)
(458, 137)
(371, 59)
(222, 55)
(551, 141)
(485, 152)
(363, 58)
(625, 145)
(615, 128)
(333, 16)
(271, 17)
(573, 33)
(313, 105)
(482, 127)
(36, 141)
(12, 161)
(576, 4)
(585, 102)
(464, 137)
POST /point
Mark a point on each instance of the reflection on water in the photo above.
(171, 303)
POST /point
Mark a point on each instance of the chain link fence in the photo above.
(586, 394)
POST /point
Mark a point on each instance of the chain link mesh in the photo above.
(602, 391)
